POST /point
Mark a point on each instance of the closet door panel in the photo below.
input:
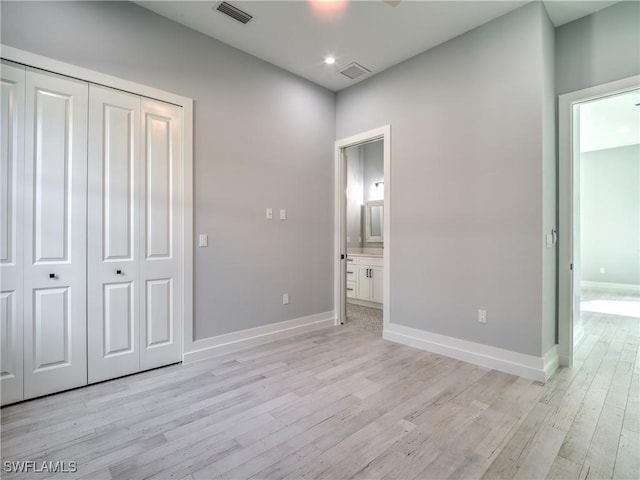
(55, 189)
(161, 260)
(114, 190)
(12, 88)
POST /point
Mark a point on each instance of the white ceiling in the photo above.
(610, 122)
(298, 35)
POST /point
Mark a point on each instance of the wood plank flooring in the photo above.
(343, 403)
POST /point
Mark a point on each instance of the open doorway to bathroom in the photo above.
(364, 212)
(362, 231)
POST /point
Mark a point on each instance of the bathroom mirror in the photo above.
(374, 221)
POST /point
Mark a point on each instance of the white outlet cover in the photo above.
(269, 214)
(285, 298)
(204, 240)
(283, 214)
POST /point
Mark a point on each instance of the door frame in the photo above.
(568, 126)
(44, 63)
(339, 299)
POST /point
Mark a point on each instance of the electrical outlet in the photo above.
(285, 299)
(482, 316)
(283, 214)
(269, 214)
(204, 240)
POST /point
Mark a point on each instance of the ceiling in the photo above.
(377, 34)
(610, 122)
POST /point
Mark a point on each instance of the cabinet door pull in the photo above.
(350, 289)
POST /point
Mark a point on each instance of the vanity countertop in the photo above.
(365, 252)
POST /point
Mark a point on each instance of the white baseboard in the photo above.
(221, 344)
(528, 366)
(364, 303)
(610, 287)
(551, 361)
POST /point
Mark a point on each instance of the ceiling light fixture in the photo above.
(329, 60)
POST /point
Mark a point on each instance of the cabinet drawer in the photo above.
(351, 273)
(370, 261)
(351, 289)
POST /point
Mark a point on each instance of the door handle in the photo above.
(53, 276)
(119, 272)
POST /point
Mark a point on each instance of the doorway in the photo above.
(599, 269)
(362, 230)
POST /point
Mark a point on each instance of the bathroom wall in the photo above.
(365, 167)
(373, 167)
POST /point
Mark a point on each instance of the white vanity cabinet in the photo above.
(364, 278)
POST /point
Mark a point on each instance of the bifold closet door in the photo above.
(135, 255)
(114, 220)
(12, 85)
(160, 240)
(54, 234)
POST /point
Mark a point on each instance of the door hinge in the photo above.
(571, 266)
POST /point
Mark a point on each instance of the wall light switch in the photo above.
(285, 299)
(283, 214)
(204, 240)
(269, 214)
(482, 316)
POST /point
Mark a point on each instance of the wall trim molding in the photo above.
(610, 287)
(221, 344)
(551, 361)
(528, 366)
(340, 236)
(567, 284)
(364, 303)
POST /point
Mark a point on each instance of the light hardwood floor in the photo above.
(342, 403)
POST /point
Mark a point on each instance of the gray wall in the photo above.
(263, 138)
(373, 163)
(598, 48)
(610, 215)
(355, 195)
(549, 187)
(365, 165)
(467, 180)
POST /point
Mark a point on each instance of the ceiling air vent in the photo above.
(234, 12)
(354, 70)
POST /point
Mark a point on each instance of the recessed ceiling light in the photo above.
(329, 60)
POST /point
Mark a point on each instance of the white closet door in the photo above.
(114, 221)
(55, 191)
(160, 242)
(12, 85)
